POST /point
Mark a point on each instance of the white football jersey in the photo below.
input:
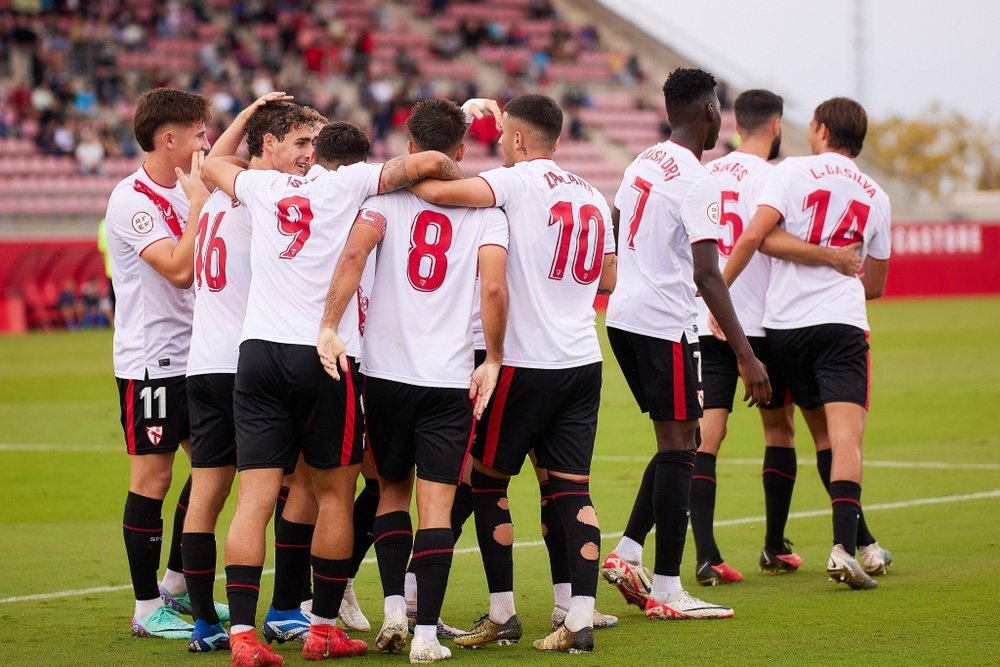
(826, 200)
(478, 338)
(300, 225)
(667, 201)
(152, 317)
(560, 230)
(420, 312)
(742, 177)
(221, 285)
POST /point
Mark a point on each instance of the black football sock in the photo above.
(494, 530)
(329, 583)
(393, 544)
(433, 549)
(175, 561)
(365, 506)
(461, 509)
(198, 551)
(640, 522)
(554, 535)
(780, 468)
(703, 508)
(142, 527)
(824, 461)
(242, 591)
(291, 563)
(582, 535)
(279, 506)
(846, 499)
(671, 495)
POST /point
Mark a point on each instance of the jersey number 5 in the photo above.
(587, 260)
(427, 263)
(850, 228)
(294, 216)
(210, 256)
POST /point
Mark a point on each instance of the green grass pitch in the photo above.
(931, 491)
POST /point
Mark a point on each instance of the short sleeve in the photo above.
(250, 184)
(774, 191)
(375, 213)
(610, 246)
(136, 221)
(700, 210)
(505, 182)
(880, 245)
(621, 199)
(497, 231)
(364, 178)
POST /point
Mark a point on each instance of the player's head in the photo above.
(692, 103)
(437, 125)
(758, 113)
(839, 124)
(173, 122)
(342, 143)
(531, 126)
(281, 136)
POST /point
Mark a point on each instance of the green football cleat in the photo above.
(164, 623)
(182, 605)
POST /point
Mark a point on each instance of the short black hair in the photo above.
(437, 125)
(684, 90)
(755, 108)
(846, 121)
(343, 143)
(540, 112)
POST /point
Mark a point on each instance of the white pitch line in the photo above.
(939, 500)
(610, 458)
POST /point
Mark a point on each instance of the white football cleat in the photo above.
(683, 605)
(392, 637)
(350, 613)
(843, 568)
(426, 651)
(874, 559)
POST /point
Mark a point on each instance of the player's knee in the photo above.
(590, 551)
(588, 516)
(504, 534)
(503, 504)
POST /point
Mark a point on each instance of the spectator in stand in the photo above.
(473, 33)
(446, 44)
(541, 9)
(89, 153)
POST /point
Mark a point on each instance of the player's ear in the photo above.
(269, 141)
(410, 148)
(555, 146)
(460, 153)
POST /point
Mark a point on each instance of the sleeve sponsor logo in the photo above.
(713, 212)
(142, 222)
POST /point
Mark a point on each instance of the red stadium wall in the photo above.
(928, 259)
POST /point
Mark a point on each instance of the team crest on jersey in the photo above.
(713, 212)
(155, 434)
(142, 222)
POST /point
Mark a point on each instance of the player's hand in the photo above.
(846, 259)
(714, 327)
(192, 184)
(276, 96)
(332, 352)
(484, 381)
(480, 108)
(755, 381)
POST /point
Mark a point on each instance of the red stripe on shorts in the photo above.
(468, 448)
(348, 445)
(130, 417)
(496, 415)
(868, 363)
(680, 402)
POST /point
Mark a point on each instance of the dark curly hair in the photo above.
(684, 88)
(278, 119)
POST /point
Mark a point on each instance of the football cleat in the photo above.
(285, 626)
(392, 637)
(487, 632)
(843, 568)
(777, 562)
(164, 623)
(329, 641)
(713, 575)
(874, 559)
(581, 641)
(351, 615)
(182, 605)
(426, 651)
(601, 621)
(682, 606)
(207, 637)
(249, 652)
(444, 631)
(631, 579)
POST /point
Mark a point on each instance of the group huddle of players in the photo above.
(308, 317)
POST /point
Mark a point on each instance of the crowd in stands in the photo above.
(74, 67)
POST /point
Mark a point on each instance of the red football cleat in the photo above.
(327, 641)
(713, 575)
(249, 652)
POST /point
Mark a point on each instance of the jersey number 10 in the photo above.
(586, 261)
